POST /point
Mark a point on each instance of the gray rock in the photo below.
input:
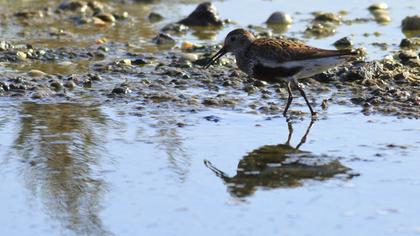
(279, 17)
(204, 15)
(107, 17)
(411, 23)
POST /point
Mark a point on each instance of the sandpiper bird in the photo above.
(272, 60)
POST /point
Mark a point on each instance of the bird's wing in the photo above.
(273, 52)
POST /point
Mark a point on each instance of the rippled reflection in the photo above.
(279, 166)
(59, 145)
(171, 143)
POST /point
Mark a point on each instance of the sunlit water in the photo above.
(88, 169)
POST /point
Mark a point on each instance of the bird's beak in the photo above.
(216, 57)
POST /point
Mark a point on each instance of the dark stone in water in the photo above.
(204, 15)
(121, 90)
(162, 39)
(155, 17)
(212, 118)
(138, 62)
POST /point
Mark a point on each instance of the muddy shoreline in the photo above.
(118, 72)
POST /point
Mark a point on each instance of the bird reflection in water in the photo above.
(280, 166)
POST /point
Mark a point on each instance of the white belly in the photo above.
(312, 67)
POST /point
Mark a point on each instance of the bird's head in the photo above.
(235, 42)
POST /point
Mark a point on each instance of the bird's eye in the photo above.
(232, 39)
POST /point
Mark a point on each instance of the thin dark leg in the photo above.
(306, 99)
(289, 99)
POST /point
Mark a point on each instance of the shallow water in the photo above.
(104, 168)
(76, 169)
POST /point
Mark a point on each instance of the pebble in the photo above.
(411, 23)
(378, 6)
(410, 42)
(106, 17)
(187, 45)
(121, 90)
(192, 57)
(37, 95)
(155, 17)
(21, 55)
(381, 16)
(70, 84)
(5, 46)
(344, 42)
(36, 73)
(328, 16)
(56, 85)
(162, 39)
(98, 22)
(279, 17)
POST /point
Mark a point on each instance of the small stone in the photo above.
(21, 56)
(162, 39)
(106, 17)
(377, 33)
(138, 62)
(382, 18)
(410, 42)
(378, 6)
(187, 45)
(36, 73)
(37, 95)
(212, 118)
(73, 6)
(204, 15)
(70, 84)
(260, 83)
(87, 83)
(121, 90)
(5, 46)
(56, 85)
(155, 17)
(192, 57)
(343, 43)
(126, 62)
(279, 17)
(411, 23)
(250, 89)
(329, 17)
(98, 22)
